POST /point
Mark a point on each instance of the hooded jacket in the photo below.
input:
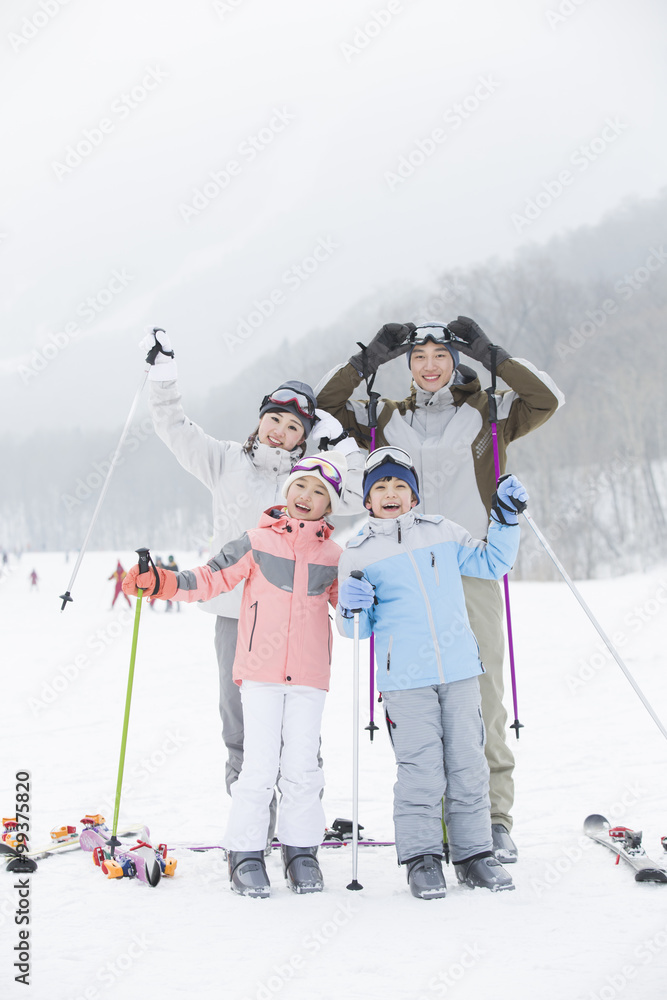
(447, 433)
(291, 569)
(415, 562)
(242, 484)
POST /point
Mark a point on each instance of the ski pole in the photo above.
(373, 398)
(493, 420)
(355, 884)
(66, 597)
(607, 641)
(445, 836)
(144, 561)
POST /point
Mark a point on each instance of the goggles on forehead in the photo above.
(389, 454)
(437, 332)
(303, 404)
(325, 469)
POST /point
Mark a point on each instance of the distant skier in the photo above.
(34, 580)
(119, 575)
(173, 566)
(158, 565)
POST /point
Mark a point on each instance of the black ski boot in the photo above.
(483, 872)
(247, 873)
(425, 877)
(301, 868)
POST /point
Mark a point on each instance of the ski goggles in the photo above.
(437, 332)
(388, 454)
(282, 397)
(324, 468)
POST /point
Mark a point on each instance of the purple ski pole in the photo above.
(493, 419)
(373, 398)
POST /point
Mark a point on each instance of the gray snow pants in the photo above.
(231, 709)
(438, 738)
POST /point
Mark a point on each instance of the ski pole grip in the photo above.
(373, 400)
(358, 575)
(144, 557)
(145, 562)
(156, 349)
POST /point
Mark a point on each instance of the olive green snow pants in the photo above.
(485, 604)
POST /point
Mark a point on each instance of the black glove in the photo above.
(472, 340)
(388, 343)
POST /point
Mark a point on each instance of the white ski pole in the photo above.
(355, 884)
(605, 638)
(66, 597)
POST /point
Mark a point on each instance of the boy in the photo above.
(282, 665)
(428, 664)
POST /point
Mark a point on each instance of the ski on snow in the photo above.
(339, 834)
(277, 844)
(63, 838)
(140, 860)
(626, 844)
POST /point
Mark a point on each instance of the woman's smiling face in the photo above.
(281, 430)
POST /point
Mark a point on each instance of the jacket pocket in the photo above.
(435, 569)
(482, 728)
(391, 643)
(254, 625)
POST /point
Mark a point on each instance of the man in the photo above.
(444, 425)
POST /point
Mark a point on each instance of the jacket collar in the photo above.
(387, 527)
(390, 525)
(273, 461)
(278, 519)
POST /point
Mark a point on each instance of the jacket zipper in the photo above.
(391, 643)
(435, 568)
(329, 637)
(254, 624)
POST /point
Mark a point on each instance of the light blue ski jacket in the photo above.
(415, 563)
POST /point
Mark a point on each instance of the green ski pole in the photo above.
(144, 562)
(445, 840)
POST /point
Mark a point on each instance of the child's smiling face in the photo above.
(307, 499)
(390, 497)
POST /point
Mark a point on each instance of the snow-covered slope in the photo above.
(577, 926)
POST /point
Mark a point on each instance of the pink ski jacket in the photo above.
(291, 569)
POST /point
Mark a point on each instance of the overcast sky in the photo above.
(243, 171)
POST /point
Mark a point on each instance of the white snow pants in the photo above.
(271, 713)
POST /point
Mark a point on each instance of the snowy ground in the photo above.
(577, 926)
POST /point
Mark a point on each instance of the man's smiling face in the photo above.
(431, 366)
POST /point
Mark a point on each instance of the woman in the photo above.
(244, 480)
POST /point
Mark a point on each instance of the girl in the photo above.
(244, 480)
(282, 666)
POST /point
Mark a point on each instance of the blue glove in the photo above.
(509, 500)
(356, 594)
